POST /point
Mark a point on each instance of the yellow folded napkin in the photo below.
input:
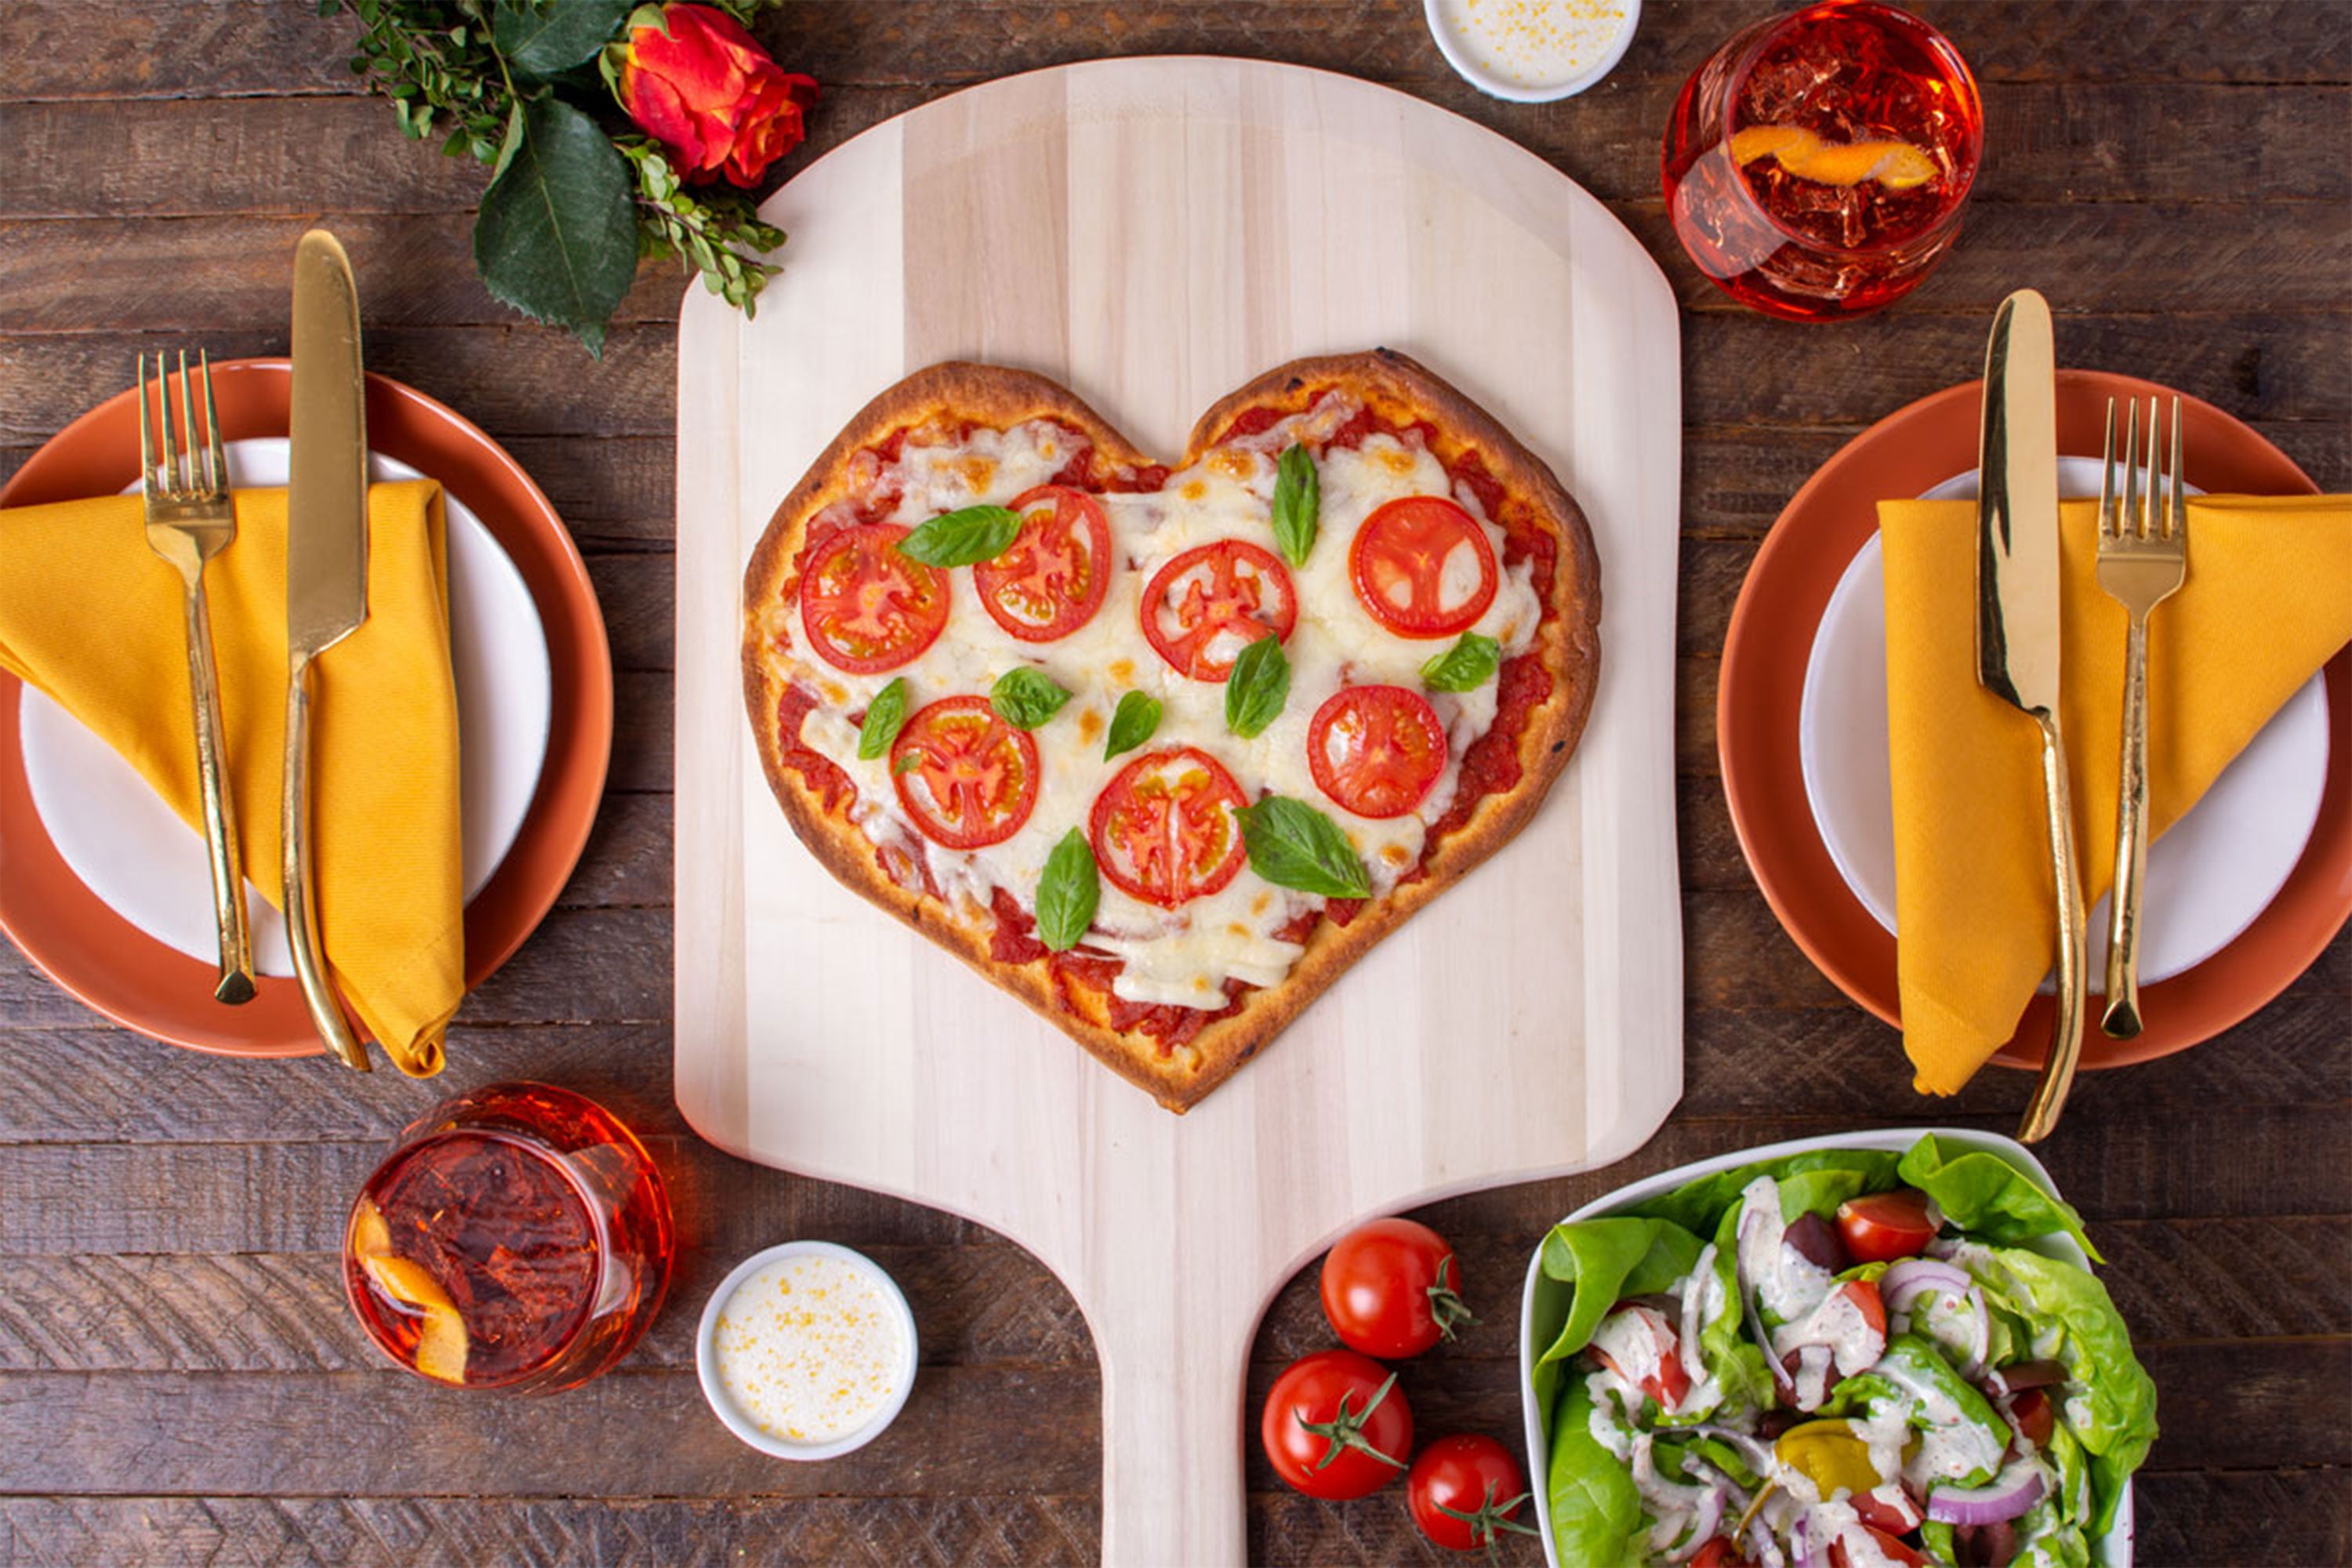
(93, 617)
(2267, 601)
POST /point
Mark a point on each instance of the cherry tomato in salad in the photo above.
(1864, 1294)
(1335, 1425)
(1665, 1381)
(1051, 579)
(868, 607)
(1462, 1491)
(1207, 604)
(1423, 567)
(2032, 1415)
(966, 777)
(1167, 829)
(1884, 1227)
(1718, 1553)
(1376, 750)
(1894, 1518)
(1390, 1289)
(1891, 1549)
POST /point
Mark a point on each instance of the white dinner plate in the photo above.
(117, 834)
(2208, 878)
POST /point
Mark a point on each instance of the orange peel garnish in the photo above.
(441, 1342)
(1897, 165)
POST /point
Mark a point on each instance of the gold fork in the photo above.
(2143, 556)
(189, 520)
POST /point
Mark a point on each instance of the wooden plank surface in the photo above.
(2173, 175)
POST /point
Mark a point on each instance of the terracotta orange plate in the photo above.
(1762, 687)
(140, 983)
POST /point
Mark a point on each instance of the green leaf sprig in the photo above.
(576, 195)
(884, 718)
(963, 537)
(1025, 698)
(1069, 893)
(1291, 845)
(1134, 722)
(1465, 666)
(1298, 505)
(1257, 688)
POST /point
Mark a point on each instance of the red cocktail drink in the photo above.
(1816, 164)
(518, 1238)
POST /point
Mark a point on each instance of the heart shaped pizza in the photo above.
(1163, 750)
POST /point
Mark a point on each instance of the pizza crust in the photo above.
(1394, 387)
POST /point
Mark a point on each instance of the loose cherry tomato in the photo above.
(1883, 1227)
(1462, 1491)
(1423, 567)
(1167, 829)
(1050, 580)
(968, 778)
(1376, 750)
(1210, 603)
(868, 608)
(1335, 1425)
(1667, 1381)
(1894, 1551)
(1389, 1289)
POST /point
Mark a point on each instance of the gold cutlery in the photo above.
(326, 575)
(190, 520)
(2143, 556)
(2018, 628)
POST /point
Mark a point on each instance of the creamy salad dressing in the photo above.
(1184, 956)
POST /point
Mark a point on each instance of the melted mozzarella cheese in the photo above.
(1183, 956)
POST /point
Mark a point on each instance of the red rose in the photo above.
(696, 82)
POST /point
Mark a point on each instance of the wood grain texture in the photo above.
(166, 1220)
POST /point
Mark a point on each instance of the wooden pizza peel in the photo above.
(1154, 233)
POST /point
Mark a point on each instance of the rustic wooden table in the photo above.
(179, 1378)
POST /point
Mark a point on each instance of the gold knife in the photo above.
(326, 575)
(2017, 626)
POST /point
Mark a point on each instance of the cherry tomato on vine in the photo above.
(1462, 1491)
(1335, 1425)
(1390, 1289)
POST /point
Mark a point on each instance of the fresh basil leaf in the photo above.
(1067, 893)
(557, 234)
(963, 537)
(1291, 845)
(1025, 698)
(906, 764)
(1134, 722)
(884, 715)
(1465, 666)
(545, 41)
(1257, 688)
(1298, 505)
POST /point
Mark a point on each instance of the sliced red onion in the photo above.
(1705, 1521)
(1754, 1450)
(1906, 1282)
(2005, 1497)
(1801, 1546)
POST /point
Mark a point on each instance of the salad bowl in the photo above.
(1545, 1305)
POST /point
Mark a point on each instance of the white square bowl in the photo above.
(2113, 1550)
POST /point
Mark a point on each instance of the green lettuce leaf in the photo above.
(1698, 1206)
(1596, 1512)
(1991, 1199)
(1606, 1260)
(2118, 1398)
(1731, 1357)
